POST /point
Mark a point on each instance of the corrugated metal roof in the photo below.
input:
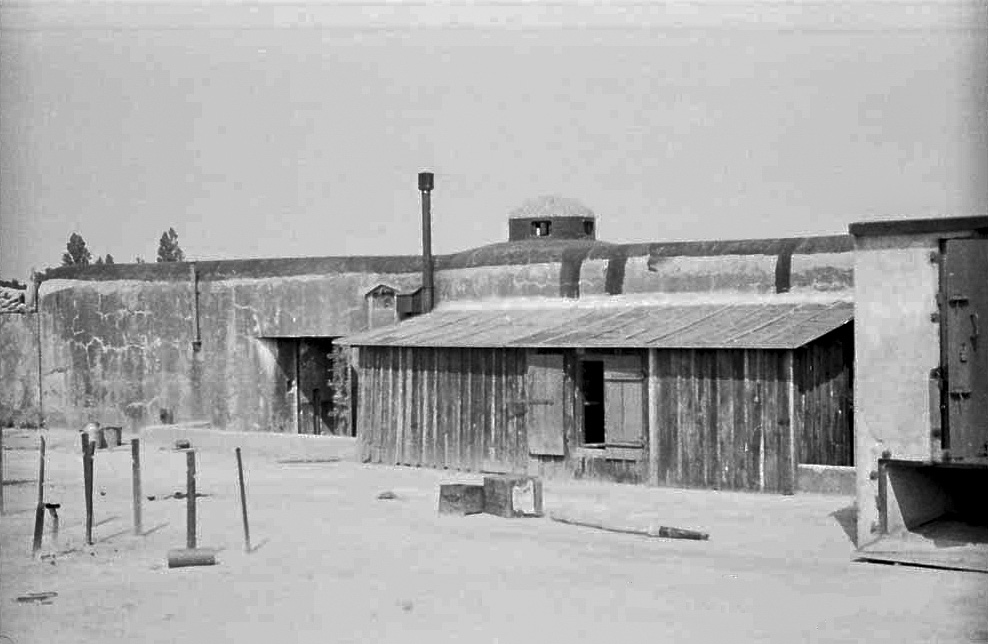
(726, 325)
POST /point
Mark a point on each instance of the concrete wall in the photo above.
(18, 370)
(897, 344)
(120, 351)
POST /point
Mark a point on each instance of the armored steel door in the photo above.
(966, 311)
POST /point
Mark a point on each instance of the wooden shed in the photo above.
(727, 394)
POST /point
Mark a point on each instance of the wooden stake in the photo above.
(190, 506)
(135, 457)
(243, 501)
(87, 476)
(39, 515)
(1, 471)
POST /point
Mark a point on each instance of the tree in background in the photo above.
(109, 259)
(139, 260)
(76, 252)
(168, 248)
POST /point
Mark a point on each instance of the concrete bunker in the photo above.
(921, 293)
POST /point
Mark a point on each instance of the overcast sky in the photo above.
(297, 128)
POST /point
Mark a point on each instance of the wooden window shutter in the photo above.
(544, 405)
(624, 400)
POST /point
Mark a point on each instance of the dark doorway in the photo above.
(592, 378)
(315, 386)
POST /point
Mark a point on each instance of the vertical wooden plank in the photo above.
(725, 418)
(789, 443)
(652, 467)
(666, 415)
(369, 387)
(680, 434)
(713, 419)
(512, 397)
(757, 416)
(771, 416)
(743, 425)
(438, 457)
(386, 412)
(501, 450)
(422, 391)
(487, 415)
(456, 394)
(477, 407)
(797, 413)
(397, 403)
(393, 406)
(425, 415)
(573, 412)
(443, 401)
(464, 443)
(386, 427)
(373, 422)
(408, 403)
(694, 420)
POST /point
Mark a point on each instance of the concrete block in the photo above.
(459, 498)
(513, 496)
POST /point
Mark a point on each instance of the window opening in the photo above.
(593, 402)
(541, 228)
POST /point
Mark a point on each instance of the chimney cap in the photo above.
(426, 181)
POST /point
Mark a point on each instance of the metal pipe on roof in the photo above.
(426, 182)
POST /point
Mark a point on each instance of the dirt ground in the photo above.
(333, 563)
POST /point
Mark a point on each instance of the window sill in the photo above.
(612, 452)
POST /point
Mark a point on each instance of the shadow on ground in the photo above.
(847, 517)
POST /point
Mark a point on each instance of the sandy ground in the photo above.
(335, 564)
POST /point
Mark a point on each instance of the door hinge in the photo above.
(960, 393)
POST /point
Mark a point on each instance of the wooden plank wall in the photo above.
(723, 420)
(824, 400)
(442, 408)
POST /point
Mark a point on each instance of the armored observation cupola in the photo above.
(550, 217)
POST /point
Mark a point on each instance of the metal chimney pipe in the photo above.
(426, 182)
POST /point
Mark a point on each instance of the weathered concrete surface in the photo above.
(120, 351)
(18, 370)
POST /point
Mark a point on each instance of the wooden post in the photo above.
(87, 475)
(190, 505)
(135, 457)
(39, 515)
(1, 471)
(243, 500)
